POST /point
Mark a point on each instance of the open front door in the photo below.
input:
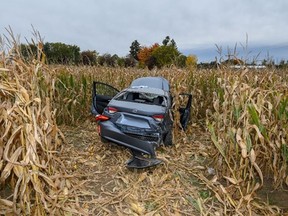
(102, 93)
(185, 110)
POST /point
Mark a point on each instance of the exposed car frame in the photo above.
(139, 117)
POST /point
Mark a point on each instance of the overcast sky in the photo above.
(110, 26)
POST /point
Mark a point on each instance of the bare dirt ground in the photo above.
(278, 197)
(111, 189)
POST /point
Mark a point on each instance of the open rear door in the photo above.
(102, 93)
(185, 110)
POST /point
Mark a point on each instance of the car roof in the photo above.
(151, 82)
(146, 89)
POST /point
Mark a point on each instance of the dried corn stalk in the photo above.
(249, 130)
(30, 144)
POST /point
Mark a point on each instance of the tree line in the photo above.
(156, 55)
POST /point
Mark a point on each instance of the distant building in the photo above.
(247, 66)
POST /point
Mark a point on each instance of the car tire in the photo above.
(168, 139)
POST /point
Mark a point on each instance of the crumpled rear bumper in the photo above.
(109, 131)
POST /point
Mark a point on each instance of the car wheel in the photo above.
(168, 139)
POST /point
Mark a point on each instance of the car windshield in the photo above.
(142, 97)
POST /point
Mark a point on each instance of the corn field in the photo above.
(31, 142)
(244, 112)
(248, 126)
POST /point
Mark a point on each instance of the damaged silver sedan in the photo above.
(139, 117)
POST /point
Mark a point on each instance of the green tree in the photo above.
(75, 54)
(169, 42)
(28, 52)
(108, 60)
(166, 41)
(165, 55)
(134, 49)
(130, 61)
(89, 57)
(181, 61)
(121, 62)
(160, 56)
(283, 64)
(60, 53)
(173, 43)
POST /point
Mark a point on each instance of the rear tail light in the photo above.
(112, 110)
(158, 118)
(101, 118)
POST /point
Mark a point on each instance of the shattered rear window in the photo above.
(142, 97)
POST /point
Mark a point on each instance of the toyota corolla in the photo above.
(139, 117)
